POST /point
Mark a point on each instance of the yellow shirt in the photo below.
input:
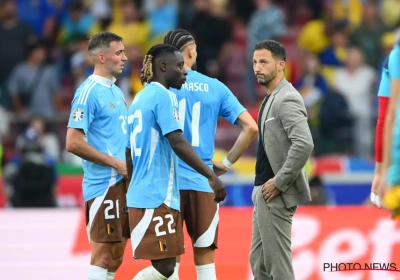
(352, 10)
(390, 12)
(312, 37)
(134, 33)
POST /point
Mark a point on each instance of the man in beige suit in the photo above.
(281, 184)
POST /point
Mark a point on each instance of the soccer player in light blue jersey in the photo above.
(391, 143)
(97, 133)
(202, 100)
(155, 141)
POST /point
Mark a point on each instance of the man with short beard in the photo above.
(281, 184)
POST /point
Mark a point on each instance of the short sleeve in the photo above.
(166, 111)
(129, 134)
(394, 66)
(230, 107)
(83, 110)
(128, 140)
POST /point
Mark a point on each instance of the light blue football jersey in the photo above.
(99, 109)
(391, 70)
(394, 73)
(384, 85)
(202, 100)
(152, 115)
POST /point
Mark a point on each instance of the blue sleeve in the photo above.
(83, 110)
(394, 65)
(166, 111)
(129, 131)
(230, 107)
(176, 91)
(128, 142)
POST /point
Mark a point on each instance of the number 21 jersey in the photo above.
(99, 109)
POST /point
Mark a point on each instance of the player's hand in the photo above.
(375, 196)
(383, 189)
(120, 166)
(218, 187)
(219, 168)
(269, 191)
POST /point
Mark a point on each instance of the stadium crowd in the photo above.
(335, 53)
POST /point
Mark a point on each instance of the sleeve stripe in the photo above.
(85, 92)
(170, 97)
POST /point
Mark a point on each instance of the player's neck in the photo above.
(272, 85)
(188, 66)
(161, 82)
(102, 73)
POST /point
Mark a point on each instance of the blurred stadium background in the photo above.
(335, 50)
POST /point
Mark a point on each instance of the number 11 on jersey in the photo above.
(195, 120)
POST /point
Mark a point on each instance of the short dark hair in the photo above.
(178, 38)
(103, 40)
(154, 52)
(277, 50)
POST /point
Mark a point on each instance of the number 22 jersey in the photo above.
(152, 115)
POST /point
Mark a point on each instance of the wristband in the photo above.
(227, 163)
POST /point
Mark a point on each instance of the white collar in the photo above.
(160, 85)
(103, 81)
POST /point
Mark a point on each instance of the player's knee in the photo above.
(115, 264)
(168, 270)
(102, 259)
(204, 256)
(166, 266)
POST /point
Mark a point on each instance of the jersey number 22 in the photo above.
(137, 129)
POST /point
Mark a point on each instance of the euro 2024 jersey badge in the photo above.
(78, 114)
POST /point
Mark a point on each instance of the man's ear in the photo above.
(281, 65)
(163, 66)
(189, 51)
(101, 58)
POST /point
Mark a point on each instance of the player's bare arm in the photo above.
(185, 151)
(249, 132)
(78, 146)
(129, 164)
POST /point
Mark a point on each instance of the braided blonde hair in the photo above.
(146, 75)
